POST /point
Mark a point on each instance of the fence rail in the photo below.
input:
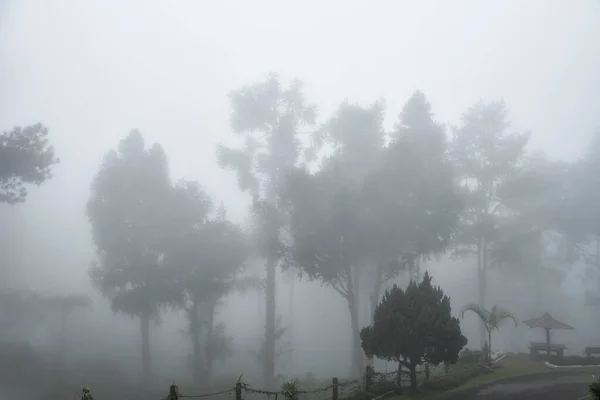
(290, 391)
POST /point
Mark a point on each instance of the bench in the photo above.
(591, 350)
(536, 348)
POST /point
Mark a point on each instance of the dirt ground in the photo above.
(553, 386)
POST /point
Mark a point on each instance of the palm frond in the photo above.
(499, 314)
(479, 310)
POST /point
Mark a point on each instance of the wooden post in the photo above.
(238, 391)
(334, 395)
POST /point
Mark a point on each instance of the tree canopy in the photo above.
(269, 116)
(26, 157)
(131, 213)
(351, 225)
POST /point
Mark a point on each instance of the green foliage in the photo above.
(485, 156)
(404, 206)
(413, 326)
(209, 253)
(25, 158)
(371, 210)
(269, 117)
(491, 319)
(594, 390)
(130, 212)
(290, 390)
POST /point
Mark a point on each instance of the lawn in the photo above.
(513, 365)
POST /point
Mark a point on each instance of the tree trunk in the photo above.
(146, 361)
(194, 318)
(481, 260)
(358, 357)
(490, 346)
(374, 299)
(399, 378)
(269, 355)
(290, 327)
(413, 376)
(210, 354)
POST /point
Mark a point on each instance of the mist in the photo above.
(93, 71)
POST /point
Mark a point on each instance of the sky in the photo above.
(93, 70)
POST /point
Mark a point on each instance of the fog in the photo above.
(92, 71)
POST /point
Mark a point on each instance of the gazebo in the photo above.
(547, 322)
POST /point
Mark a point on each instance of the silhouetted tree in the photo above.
(581, 213)
(130, 210)
(486, 156)
(268, 116)
(350, 224)
(208, 258)
(25, 158)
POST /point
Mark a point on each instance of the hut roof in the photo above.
(547, 321)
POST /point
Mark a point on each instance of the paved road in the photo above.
(553, 386)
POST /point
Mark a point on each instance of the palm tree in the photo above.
(492, 319)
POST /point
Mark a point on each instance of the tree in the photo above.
(412, 185)
(269, 116)
(491, 319)
(486, 156)
(131, 216)
(207, 258)
(581, 213)
(532, 241)
(353, 222)
(25, 158)
(414, 326)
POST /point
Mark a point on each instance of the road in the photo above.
(552, 386)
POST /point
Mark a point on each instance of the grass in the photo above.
(513, 365)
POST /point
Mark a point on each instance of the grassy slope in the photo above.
(513, 365)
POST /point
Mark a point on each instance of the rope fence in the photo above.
(290, 391)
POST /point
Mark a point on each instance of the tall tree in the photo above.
(26, 157)
(531, 242)
(486, 156)
(581, 215)
(130, 212)
(390, 187)
(344, 227)
(269, 117)
(207, 258)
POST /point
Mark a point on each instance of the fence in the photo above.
(335, 391)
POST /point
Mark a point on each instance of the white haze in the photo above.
(93, 70)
